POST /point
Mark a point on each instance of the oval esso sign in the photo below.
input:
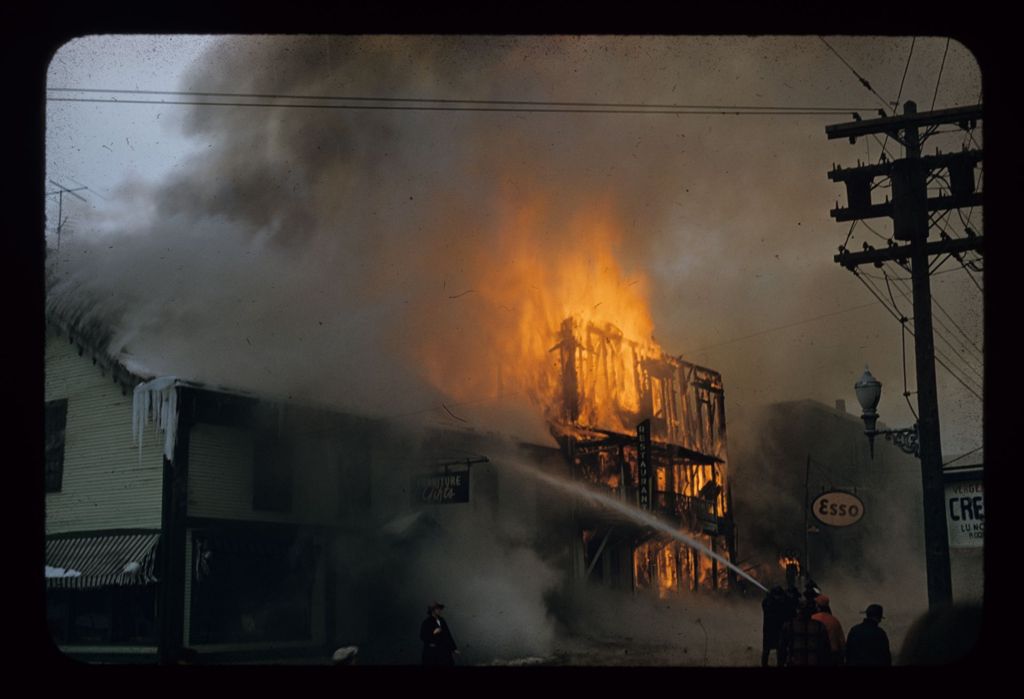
(838, 509)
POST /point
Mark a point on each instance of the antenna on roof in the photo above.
(60, 192)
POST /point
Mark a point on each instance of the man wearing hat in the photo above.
(836, 637)
(438, 645)
(867, 643)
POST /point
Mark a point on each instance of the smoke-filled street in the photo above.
(546, 333)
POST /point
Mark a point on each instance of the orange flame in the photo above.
(498, 339)
(786, 561)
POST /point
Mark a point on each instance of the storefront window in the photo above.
(125, 615)
(252, 589)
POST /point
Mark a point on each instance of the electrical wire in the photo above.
(964, 455)
(425, 100)
(863, 82)
(936, 304)
(906, 68)
(779, 327)
(866, 225)
(903, 343)
(907, 293)
(939, 357)
(971, 277)
(426, 108)
(849, 233)
(942, 332)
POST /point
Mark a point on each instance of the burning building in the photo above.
(650, 429)
(252, 522)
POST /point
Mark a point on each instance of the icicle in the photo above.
(156, 401)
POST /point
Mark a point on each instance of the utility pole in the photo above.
(909, 210)
(60, 192)
(807, 524)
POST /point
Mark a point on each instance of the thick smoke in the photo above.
(881, 558)
(374, 259)
(388, 249)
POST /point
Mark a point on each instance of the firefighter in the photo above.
(803, 640)
(778, 609)
(836, 637)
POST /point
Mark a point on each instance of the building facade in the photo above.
(182, 516)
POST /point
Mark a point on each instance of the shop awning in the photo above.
(98, 560)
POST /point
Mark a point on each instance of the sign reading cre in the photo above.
(838, 508)
(441, 488)
(965, 513)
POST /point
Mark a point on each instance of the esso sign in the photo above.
(838, 508)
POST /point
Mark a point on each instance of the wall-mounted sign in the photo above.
(441, 488)
(965, 513)
(643, 457)
(838, 508)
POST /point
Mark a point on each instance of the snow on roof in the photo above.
(52, 572)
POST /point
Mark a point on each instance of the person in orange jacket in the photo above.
(836, 636)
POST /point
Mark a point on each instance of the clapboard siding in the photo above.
(108, 483)
(220, 472)
(221, 478)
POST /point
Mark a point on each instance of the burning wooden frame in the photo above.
(610, 384)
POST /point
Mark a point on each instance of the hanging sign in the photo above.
(643, 457)
(837, 508)
(441, 488)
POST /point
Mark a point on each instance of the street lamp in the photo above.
(869, 391)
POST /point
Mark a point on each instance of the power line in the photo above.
(863, 82)
(426, 100)
(875, 232)
(939, 358)
(906, 68)
(903, 346)
(971, 277)
(394, 107)
(964, 455)
(780, 327)
(848, 234)
(967, 355)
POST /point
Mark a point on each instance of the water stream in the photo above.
(634, 513)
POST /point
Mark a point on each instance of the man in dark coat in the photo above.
(438, 645)
(803, 640)
(778, 608)
(867, 643)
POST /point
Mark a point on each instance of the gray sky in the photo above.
(318, 251)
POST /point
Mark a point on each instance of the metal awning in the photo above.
(99, 560)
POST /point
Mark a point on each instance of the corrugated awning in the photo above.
(95, 561)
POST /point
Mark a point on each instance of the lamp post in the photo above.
(908, 439)
(869, 392)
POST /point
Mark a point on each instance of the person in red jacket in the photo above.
(804, 641)
(836, 637)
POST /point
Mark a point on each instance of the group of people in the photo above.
(802, 630)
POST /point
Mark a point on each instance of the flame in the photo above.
(503, 316)
(546, 312)
(786, 561)
(670, 567)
